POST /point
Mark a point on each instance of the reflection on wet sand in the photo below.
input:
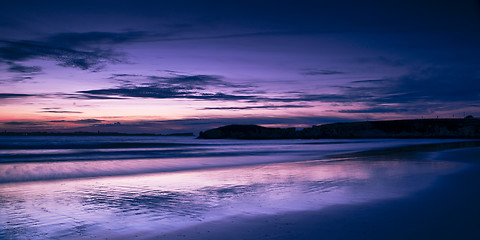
(167, 201)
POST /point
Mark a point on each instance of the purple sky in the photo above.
(151, 66)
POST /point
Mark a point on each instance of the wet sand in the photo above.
(449, 209)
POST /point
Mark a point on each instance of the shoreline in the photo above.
(448, 209)
(310, 199)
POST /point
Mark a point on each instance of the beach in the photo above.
(185, 188)
(229, 120)
(448, 209)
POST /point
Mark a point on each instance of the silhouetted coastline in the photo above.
(416, 128)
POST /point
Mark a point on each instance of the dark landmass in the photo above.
(88, 134)
(249, 132)
(417, 128)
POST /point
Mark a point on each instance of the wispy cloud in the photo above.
(369, 81)
(305, 97)
(25, 123)
(60, 111)
(387, 61)
(56, 110)
(81, 96)
(315, 71)
(81, 121)
(378, 110)
(428, 89)
(257, 107)
(92, 39)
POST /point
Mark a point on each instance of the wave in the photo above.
(99, 155)
(37, 171)
(108, 145)
(49, 158)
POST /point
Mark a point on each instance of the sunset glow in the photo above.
(162, 67)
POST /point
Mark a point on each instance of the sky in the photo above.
(187, 66)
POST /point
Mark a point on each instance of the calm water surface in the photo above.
(87, 187)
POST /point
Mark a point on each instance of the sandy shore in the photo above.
(449, 209)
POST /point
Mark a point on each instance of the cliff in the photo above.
(418, 128)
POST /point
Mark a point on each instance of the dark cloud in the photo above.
(17, 68)
(16, 79)
(27, 123)
(82, 96)
(182, 81)
(200, 87)
(141, 92)
(378, 110)
(124, 76)
(82, 59)
(314, 72)
(160, 93)
(220, 96)
(81, 121)
(21, 72)
(14, 95)
(304, 97)
(434, 87)
(257, 107)
(86, 51)
(430, 85)
(423, 90)
(249, 91)
(369, 81)
(115, 124)
(60, 111)
(54, 125)
(237, 35)
(197, 81)
(429, 89)
(211, 87)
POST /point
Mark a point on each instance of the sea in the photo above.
(87, 187)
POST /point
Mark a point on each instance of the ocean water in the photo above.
(79, 187)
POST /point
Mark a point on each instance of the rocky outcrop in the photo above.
(248, 132)
(419, 128)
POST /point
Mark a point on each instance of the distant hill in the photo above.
(418, 128)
